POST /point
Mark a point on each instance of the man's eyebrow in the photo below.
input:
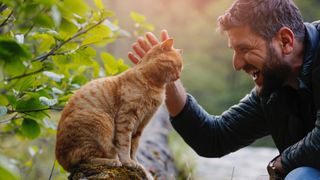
(240, 46)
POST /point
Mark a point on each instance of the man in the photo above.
(272, 45)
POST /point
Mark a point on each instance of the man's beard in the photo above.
(275, 73)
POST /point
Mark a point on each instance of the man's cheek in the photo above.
(255, 60)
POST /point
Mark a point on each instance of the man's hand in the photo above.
(141, 47)
(278, 165)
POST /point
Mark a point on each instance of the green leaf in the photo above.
(14, 67)
(10, 50)
(44, 20)
(46, 41)
(47, 102)
(79, 7)
(79, 79)
(3, 110)
(122, 67)
(3, 100)
(6, 174)
(64, 99)
(96, 69)
(46, 2)
(138, 18)
(29, 102)
(25, 83)
(67, 28)
(99, 4)
(91, 40)
(30, 128)
(110, 64)
(97, 34)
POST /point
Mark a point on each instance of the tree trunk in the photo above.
(153, 154)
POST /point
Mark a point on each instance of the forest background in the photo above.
(47, 51)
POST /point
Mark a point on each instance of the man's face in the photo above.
(259, 59)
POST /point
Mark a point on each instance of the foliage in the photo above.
(48, 49)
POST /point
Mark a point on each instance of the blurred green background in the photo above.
(208, 74)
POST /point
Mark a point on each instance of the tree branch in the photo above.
(24, 75)
(7, 19)
(35, 110)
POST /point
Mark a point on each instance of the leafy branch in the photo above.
(57, 47)
(43, 57)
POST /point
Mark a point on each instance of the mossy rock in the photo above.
(102, 172)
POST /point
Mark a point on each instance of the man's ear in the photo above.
(286, 38)
(167, 44)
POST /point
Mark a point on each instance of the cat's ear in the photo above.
(167, 44)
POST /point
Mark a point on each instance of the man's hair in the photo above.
(264, 17)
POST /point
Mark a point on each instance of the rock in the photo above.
(101, 172)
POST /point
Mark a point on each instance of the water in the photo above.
(246, 164)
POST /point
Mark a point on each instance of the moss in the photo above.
(102, 172)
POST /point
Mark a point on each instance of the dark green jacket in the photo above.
(290, 116)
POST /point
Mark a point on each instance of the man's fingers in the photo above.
(138, 50)
(133, 58)
(143, 44)
(152, 39)
(164, 35)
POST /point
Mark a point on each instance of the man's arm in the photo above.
(306, 152)
(215, 136)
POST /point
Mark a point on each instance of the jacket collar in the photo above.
(311, 45)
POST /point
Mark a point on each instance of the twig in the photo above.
(35, 110)
(25, 75)
(7, 19)
(29, 30)
(10, 119)
(52, 169)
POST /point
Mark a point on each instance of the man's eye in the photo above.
(244, 50)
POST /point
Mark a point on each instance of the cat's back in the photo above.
(97, 95)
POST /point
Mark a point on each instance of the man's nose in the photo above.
(238, 62)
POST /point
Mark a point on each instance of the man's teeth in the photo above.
(255, 73)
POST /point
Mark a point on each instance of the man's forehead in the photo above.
(241, 36)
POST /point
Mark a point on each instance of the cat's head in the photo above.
(163, 62)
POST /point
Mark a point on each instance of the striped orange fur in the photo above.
(103, 121)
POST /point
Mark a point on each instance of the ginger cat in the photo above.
(103, 121)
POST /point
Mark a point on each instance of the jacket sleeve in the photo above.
(306, 152)
(215, 136)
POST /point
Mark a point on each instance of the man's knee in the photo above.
(304, 173)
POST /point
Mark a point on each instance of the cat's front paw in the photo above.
(115, 163)
(130, 163)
